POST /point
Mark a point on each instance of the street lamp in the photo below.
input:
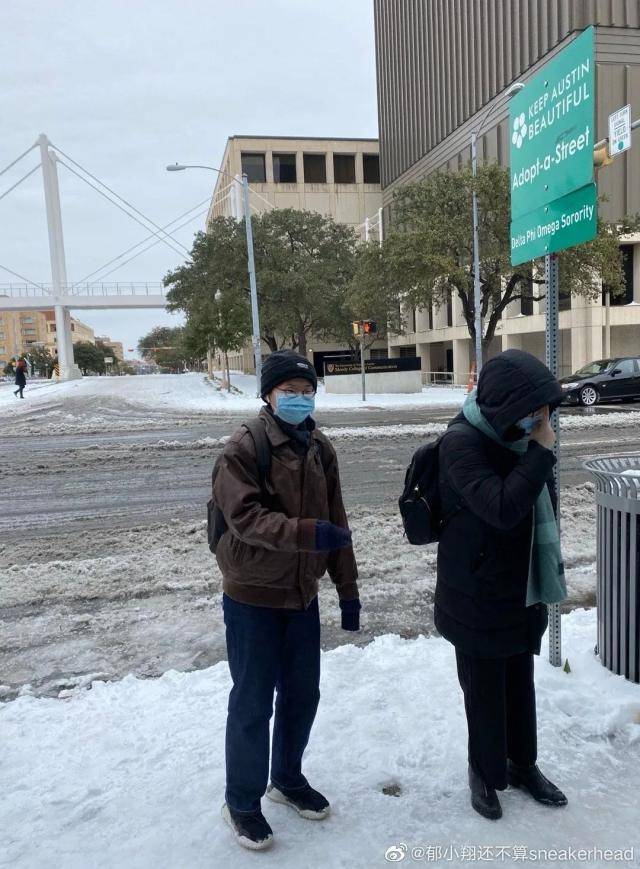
(477, 298)
(255, 314)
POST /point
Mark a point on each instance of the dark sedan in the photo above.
(604, 380)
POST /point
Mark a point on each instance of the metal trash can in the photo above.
(618, 562)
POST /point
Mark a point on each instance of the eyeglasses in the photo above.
(293, 393)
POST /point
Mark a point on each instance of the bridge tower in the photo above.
(68, 369)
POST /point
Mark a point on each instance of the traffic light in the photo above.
(370, 327)
(356, 327)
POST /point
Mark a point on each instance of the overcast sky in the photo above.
(126, 86)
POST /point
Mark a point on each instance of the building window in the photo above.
(315, 168)
(284, 168)
(52, 327)
(378, 353)
(253, 167)
(344, 168)
(26, 319)
(371, 168)
(626, 297)
(408, 352)
(449, 309)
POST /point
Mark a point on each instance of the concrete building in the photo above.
(335, 177)
(442, 65)
(116, 346)
(22, 331)
(80, 332)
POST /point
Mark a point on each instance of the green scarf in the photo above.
(546, 582)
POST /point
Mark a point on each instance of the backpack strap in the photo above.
(256, 429)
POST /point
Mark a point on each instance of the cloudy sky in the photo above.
(126, 86)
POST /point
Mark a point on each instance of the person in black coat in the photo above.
(21, 377)
(489, 489)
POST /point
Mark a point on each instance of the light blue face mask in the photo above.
(294, 409)
(529, 423)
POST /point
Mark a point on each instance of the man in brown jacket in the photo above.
(282, 535)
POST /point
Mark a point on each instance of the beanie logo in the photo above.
(302, 364)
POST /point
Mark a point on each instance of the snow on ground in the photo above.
(148, 402)
(149, 599)
(131, 774)
(193, 392)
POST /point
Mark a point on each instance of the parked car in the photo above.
(604, 380)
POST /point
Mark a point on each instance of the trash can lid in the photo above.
(617, 475)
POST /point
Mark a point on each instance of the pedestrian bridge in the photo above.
(99, 296)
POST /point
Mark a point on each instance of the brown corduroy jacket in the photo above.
(267, 556)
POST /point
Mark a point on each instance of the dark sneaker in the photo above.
(251, 830)
(307, 802)
(530, 778)
(483, 798)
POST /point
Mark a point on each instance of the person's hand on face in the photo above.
(543, 433)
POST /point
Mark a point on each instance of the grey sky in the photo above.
(127, 86)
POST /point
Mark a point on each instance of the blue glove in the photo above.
(330, 537)
(350, 615)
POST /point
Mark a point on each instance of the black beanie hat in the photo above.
(285, 365)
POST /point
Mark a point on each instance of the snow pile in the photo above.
(131, 774)
(196, 393)
(147, 599)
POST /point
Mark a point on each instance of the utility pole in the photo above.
(255, 315)
(477, 299)
(362, 363)
(68, 369)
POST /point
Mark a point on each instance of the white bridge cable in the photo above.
(124, 211)
(17, 160)
(117, 195)
(22, 278)
(24, 178)
(144, 250)
(142, 241)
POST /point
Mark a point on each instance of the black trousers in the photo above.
(269, 650)
(500, 702)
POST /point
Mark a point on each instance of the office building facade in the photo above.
(442, 66)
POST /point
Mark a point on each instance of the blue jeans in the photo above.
(269, 649)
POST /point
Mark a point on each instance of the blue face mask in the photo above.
(296, 409)
(529, 423)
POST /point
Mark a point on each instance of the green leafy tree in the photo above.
(304, 265)
(428, 256)
(41, 359)
(88, 358)
(166, 347)
(108, 353)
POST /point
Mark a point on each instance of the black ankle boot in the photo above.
(530, 778)
(483, 798)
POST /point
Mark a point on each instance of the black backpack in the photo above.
(216, 524)
(420, 503)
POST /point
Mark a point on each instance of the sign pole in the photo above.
(551, 275)
(362, 365)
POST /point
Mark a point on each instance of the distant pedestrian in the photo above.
(21, 377)
(278, 488)
(499, 564)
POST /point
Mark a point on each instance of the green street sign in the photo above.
(552, 127)
(565, 222)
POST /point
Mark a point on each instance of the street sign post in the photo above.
(551, 154)
(563, 223)
(552, 129)
(553, 197)
(620, 131)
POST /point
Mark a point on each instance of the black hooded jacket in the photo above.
(484, 549)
